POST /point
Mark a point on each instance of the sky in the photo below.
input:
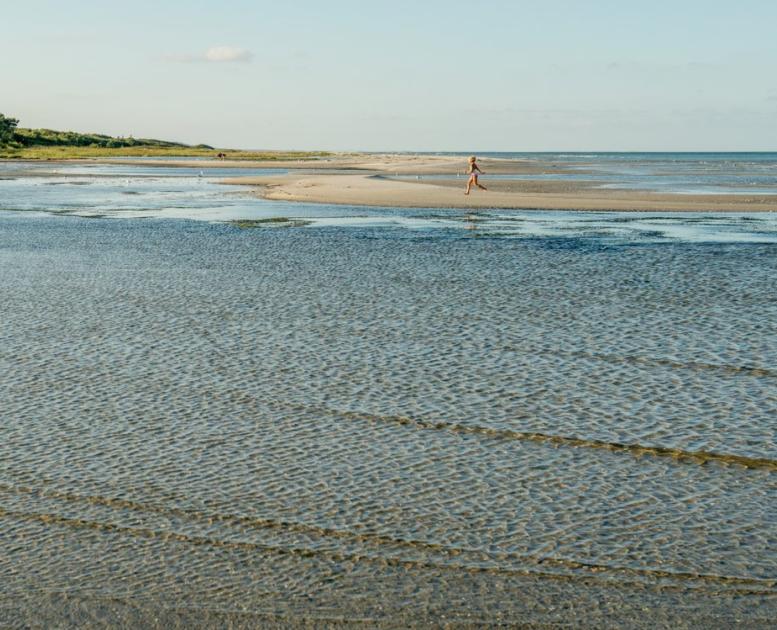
(520, 75)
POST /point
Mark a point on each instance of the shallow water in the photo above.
(387, 418)
(127, 191)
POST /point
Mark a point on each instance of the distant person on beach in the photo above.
(473, 171)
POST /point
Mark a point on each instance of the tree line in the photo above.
(14, 136)
(7, 128)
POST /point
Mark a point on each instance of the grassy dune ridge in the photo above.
(48, 144)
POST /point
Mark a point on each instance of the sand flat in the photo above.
(438, 181)
(377, 180)
(377, 190)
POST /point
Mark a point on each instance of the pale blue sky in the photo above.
(426, 75)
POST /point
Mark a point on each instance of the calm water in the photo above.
(158, 192)
(385, 416)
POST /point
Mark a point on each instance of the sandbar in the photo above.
(408, 181)
(431, 181)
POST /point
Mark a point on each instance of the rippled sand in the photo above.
(204, 425)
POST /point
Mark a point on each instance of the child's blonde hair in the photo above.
(472, 158)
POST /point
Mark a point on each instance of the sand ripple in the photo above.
(330, 423)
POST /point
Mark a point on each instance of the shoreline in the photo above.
(431, 181)
(401, 181)
(372, 190)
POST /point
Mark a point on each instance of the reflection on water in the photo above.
(388, 419)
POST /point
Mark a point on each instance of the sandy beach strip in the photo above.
(377, 190)
(408, 181)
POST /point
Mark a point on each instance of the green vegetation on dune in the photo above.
(7, 129)
(47, 144)
(71, 152)
(49, 138)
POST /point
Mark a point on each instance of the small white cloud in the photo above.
(214, 54)
(222, 54)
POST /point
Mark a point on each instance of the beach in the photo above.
(413, 181)
(374, 190)
(226, 410)
(388, 315)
